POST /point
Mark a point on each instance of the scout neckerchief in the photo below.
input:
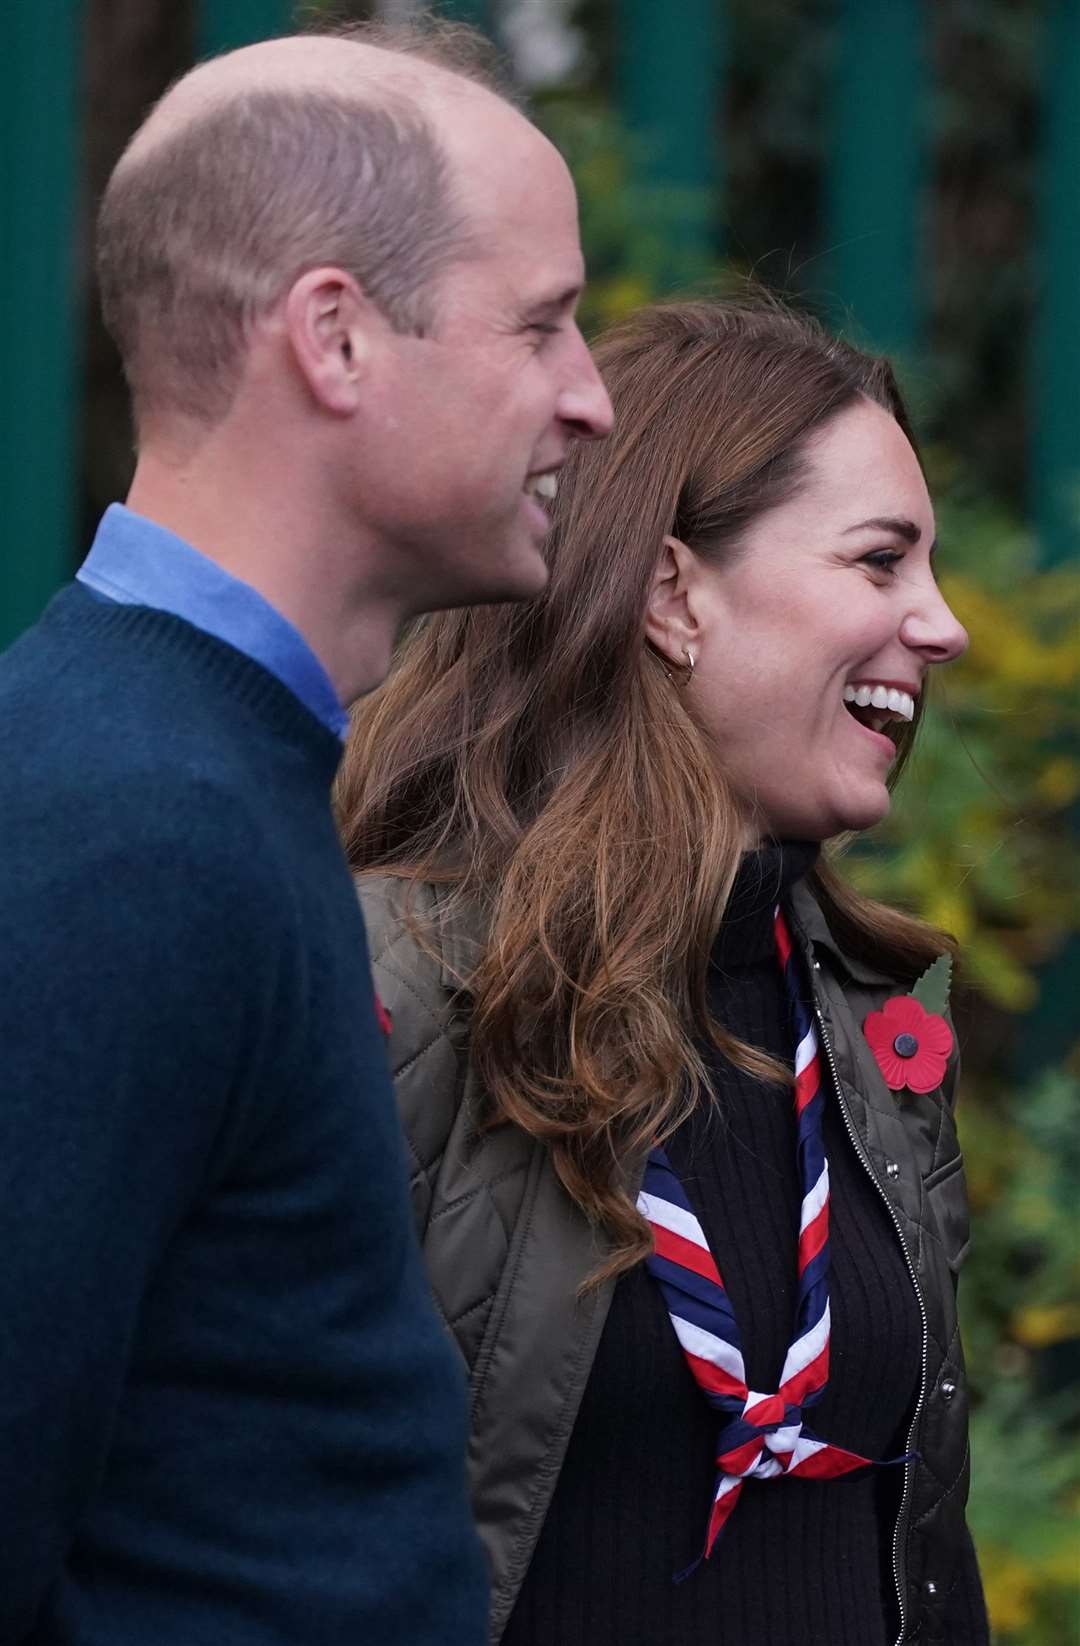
(761, 1435)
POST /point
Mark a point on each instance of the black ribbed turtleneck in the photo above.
(800, 1563)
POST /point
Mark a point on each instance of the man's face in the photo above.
(470, 424)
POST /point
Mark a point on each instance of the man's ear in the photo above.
(328, 323)
(671, 622)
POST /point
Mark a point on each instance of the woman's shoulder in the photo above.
(424, 943)
(405, 944)
(395, 911)
(421, 928)
(416, 944)
(864, 958)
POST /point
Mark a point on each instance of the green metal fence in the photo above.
(671, 86)
(40, 303)
(1055, 413)
(226, 24)
(671, 74)
(873, 183)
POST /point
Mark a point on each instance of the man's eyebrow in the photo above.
(907, 529)
(548, 307)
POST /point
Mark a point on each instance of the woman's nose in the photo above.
(933, 629)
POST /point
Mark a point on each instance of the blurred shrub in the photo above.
(982, 120)
(1021, 1327)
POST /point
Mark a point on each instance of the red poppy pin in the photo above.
(909, 1035)
(382, 1015)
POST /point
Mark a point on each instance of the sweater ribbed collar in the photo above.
(764, 878)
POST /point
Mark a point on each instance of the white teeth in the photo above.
(544, 485)
(898, 703)
(879, 721)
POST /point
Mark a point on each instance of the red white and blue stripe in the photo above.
(761, 1435)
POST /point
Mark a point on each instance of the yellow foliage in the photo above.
(1005, 643)
(1039, 1327)
(1000, 643)
(1010, 1586)
(994, 970)
(950, 910)
(620, 296)
(1059, 781)
(1013, 1585)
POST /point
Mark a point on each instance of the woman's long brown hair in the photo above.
(541, 760)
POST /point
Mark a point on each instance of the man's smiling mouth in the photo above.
(542, 486)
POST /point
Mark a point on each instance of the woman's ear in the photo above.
(670, 616)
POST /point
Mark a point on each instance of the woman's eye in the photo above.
(883, 560)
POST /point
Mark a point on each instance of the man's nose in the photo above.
(584, 403)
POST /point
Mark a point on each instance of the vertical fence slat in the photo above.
(225, 24)
(670, 65)
(1049, 1030)
(1055, 356)
(875, 171)
(40, 63)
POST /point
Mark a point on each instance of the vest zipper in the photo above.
(909, 1468)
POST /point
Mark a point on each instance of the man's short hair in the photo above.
(457, 47)
(203, 233)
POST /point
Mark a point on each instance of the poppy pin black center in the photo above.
(905, 1045)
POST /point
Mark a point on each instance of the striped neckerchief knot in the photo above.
(761, 1435)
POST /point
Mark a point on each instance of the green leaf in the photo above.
(932, 989)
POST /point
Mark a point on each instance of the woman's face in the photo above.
(833, 595)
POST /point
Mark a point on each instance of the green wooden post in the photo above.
(40, 63)
(1055, 418)
(479, 13)
(1049, 1031)
(871, 271)
(669, 76)
(226, 24)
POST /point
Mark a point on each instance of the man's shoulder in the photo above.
(139, 831)
(137, 753)
(98, 681)
(133, 782)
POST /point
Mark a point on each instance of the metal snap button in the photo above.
(930, 1588)
(948, 1389)
(892, 1170)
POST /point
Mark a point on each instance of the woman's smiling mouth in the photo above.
(877, 704)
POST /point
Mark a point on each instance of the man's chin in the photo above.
(522, 575)
(524, 580)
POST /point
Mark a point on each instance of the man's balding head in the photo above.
(276, 158)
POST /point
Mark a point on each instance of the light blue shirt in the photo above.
(138, 563)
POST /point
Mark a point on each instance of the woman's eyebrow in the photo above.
(907, 529)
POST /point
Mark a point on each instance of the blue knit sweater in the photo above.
(227, 1412)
